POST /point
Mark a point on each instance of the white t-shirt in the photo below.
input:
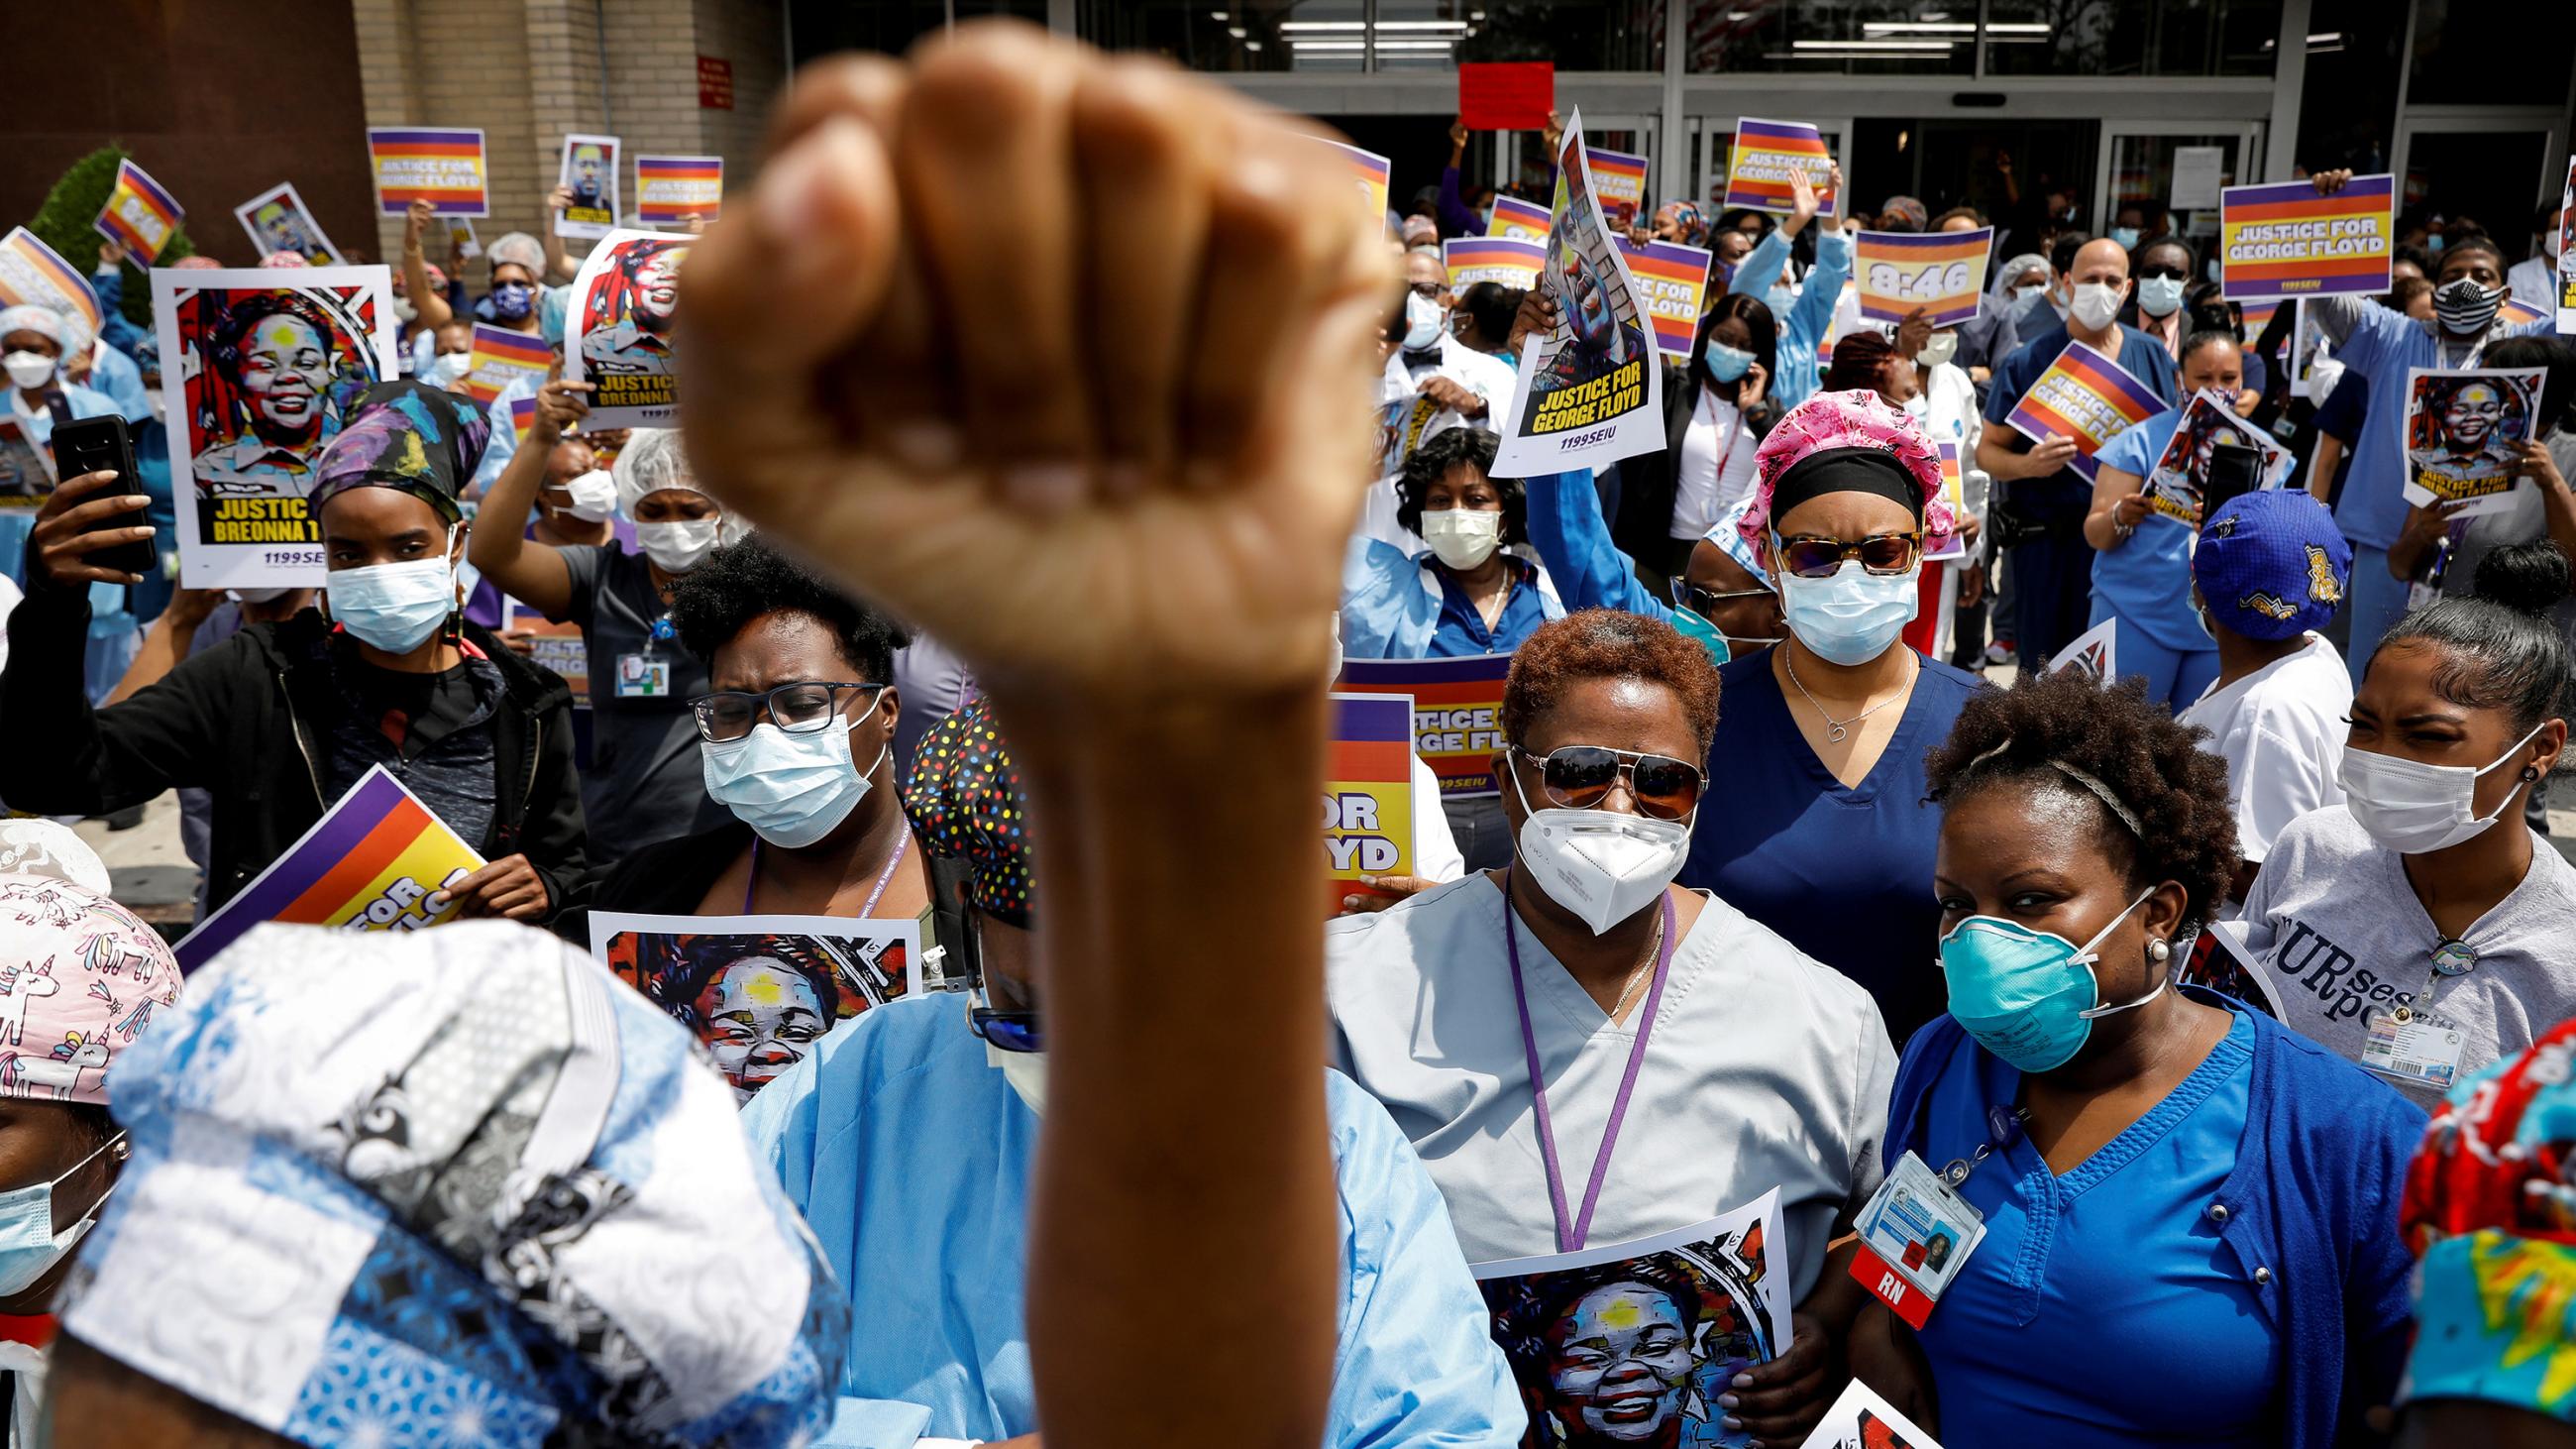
(1435, 848)
(1765, 1070)
(2281, 731)
(1716, 466)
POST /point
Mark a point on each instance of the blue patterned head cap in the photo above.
(458, 1187)
(2271, 564)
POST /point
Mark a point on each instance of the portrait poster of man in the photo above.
(1860, 1419)
(2461, 428)
(277, 220)
(1632, 1344)
(759, 991)
(259, 366)
(2180, 480)
(623, 306)
(589, 168)
(1591, 388)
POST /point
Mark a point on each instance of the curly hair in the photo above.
(738, 583)
(1608, 644)
(1858, 359)
(244, 311)
(1459, 448)
(2047, 725)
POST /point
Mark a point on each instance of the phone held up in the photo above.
(90, 445)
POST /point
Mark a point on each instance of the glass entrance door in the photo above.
(2489, 169)
(2141, 164)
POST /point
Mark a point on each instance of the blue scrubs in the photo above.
(2145, 582)
(910, 1155)
(1399, 607)
(2103, 1310)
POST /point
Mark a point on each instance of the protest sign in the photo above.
(2282, 239)
(1764, 156)
(371, 863)
(1590, 389)
(259, 366)
(671, 189)
(523, 412)
(2220, 960)
(1860, 1419)
(1506, 96)
(26, 471)
(1520, 220)
(1457, 712)
(2253, 318)
(278, 221)
(2461, 426)
(139, 215)
(622, 307)
(2087, 397)
(501, 357)
(2514, 312)
(1729, 1276)
(2567, 253)
(33, 274)
(1368, 792)
(555, 645)
(442, 166)
(759, 990)
(1671, 278)
(1404, 423)
(2095, 653)
(1368, 172)
(1619, 184)
(589, 168)
(2179, 481)
(460, 237)
(1955, 489)
(2308, 347)
(1473, 259)
(1943, 272)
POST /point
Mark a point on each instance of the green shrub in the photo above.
(64, 223)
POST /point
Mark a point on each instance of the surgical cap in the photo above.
(45, 322)
(81, 974)
(651, 461)
(1857, 436)
(520, 248)
(459, 1186)
(409, 436)
(966, 802)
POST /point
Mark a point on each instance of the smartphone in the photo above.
(87, 445)
(2233, 469)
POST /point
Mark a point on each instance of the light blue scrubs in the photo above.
(911, 1156)
(2145, 583)
(1801, 332)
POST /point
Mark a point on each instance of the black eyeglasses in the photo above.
(1704, 602)
(802, 707)
(1881, 553)
(1579, 777)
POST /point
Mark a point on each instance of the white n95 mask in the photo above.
(1601, 865)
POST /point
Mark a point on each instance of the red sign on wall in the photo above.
(715, 84)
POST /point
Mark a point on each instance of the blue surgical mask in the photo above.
(1853, 616)
(2126, 236)
(1692, 626)
(1725, 363)
(792, 789)
(2433, 243)
(510, 300)
(2028, 290)
(2159, 296)
(395, 606)
(2030, 997)
(2209, 269)
(29, 1246)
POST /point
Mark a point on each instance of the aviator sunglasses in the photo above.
(1881, 553)
(1579, 777)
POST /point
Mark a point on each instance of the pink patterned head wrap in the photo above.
(284, 259)
(1860, 419)
(79, 977)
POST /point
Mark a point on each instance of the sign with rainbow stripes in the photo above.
(1671, 279)
(1943, 272)
(2284, 240)
(1518, 219)
(2085, 396)
(1619, 184)
(1368, 172)
(1473, 259)
(523, 416)
(1368, 792)
(371, 863)
(33, 274)
(1954, 489)
(501, 357)
(441, 165)
(139, 215)
(671, 189)
(1765, 153)
(1457, 712)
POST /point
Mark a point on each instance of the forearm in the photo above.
(1573, 542)
(2336, 317)
(499, 544)
(2102, 519)
(558, 261)
(1999, 460)
(2322, 462)
(433, 308)
(1204, 1142)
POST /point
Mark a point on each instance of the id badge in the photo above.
(1915, 1234)
(2413, 1046)
(2421, 595)
(643, 676)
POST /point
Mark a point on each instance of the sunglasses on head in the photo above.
(1579, 777)
(1810, 557)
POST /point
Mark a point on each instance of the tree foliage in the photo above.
(64, 223)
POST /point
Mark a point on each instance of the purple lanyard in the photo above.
(1572, 1241)
(902, 844)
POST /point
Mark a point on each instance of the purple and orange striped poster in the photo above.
(2087, 397)
(35, 275)
(139, 215)
(1368, 792)
(501, 357)
(671, 189)
(371, 863)
(1368, 172)
(1518, 219)
(442, 165)
(2284, 240)
(523, 416)
(1757, 170)
(1941, 271)
(1473, 259)
(1457, 712)
(1618, 183)
(1671, 279)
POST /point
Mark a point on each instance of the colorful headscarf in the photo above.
(2490, 1209)
(197, 262)
(1686, 219)
(80, 976)
(406, 435)
(1861, 421)
(285, 259)
(454, 1187)
(966, 802)
(1903, 213)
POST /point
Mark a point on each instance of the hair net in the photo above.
(520, 248)
(197, 263)
(2011, 271)
(27, 317)
(652, 461)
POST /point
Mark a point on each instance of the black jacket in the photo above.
(665, 878)
(249, 721)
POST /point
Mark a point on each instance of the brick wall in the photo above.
(752, 35)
